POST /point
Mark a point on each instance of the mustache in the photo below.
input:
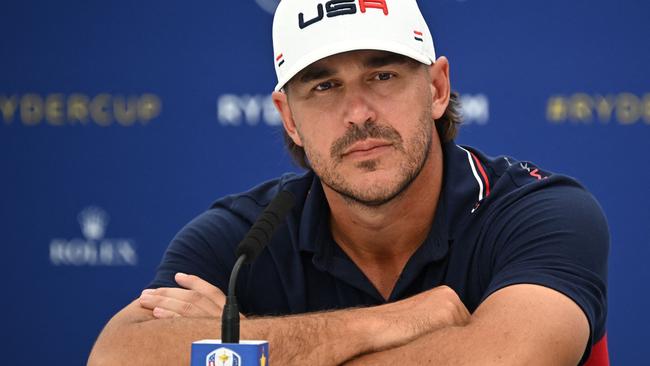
(361, 132)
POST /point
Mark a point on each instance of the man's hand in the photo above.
(197, 298)
(330, 338)
(397, 323)
(386, 326)
(429, 311)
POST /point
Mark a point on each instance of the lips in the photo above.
(366, 146)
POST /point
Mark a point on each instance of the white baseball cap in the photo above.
(305, 31)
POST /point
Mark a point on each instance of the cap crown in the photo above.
(305, 31)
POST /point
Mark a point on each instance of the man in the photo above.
(403, 247)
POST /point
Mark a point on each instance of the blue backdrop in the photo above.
(122, 120)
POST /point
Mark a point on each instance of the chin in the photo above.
(371, 183)
(373, 190)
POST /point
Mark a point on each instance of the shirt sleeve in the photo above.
(205, 247)
(556, 237)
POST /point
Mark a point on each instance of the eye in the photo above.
(384, 76)
(325, 85)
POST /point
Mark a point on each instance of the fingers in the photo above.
(201, 286)
(182, 302)
(161, 313)
(197, 298)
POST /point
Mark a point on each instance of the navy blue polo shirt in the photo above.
(499, 222)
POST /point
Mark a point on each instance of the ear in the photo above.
(281, 103)
(440, 88)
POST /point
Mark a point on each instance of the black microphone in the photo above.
(248, 249)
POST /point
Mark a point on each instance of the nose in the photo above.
(358, 106)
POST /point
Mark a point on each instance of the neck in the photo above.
(390, 229)
(383, 238)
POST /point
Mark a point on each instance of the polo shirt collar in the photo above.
(315, 235)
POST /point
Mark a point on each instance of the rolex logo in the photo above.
(94, 249)
(93, 221)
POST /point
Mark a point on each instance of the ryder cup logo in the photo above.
(94, 249)
(222, 357)
(268, 5)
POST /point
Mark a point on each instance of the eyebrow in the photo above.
(317, 72)
(314, 73)
(385, 59)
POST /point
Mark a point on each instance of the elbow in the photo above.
(110, 347)
(100, 354)
(97, 358)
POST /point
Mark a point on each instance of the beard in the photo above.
(413, 155)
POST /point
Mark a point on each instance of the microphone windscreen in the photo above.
(262, 230)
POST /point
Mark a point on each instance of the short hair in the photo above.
(446, 126)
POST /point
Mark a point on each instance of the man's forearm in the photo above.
(317, 339)
(314, 339)
(151, 342)
(460, 346)
(134, 336)
(518, 325)
(430, 349)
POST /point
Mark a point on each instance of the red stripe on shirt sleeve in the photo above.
(599, 354)
(485, 178)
